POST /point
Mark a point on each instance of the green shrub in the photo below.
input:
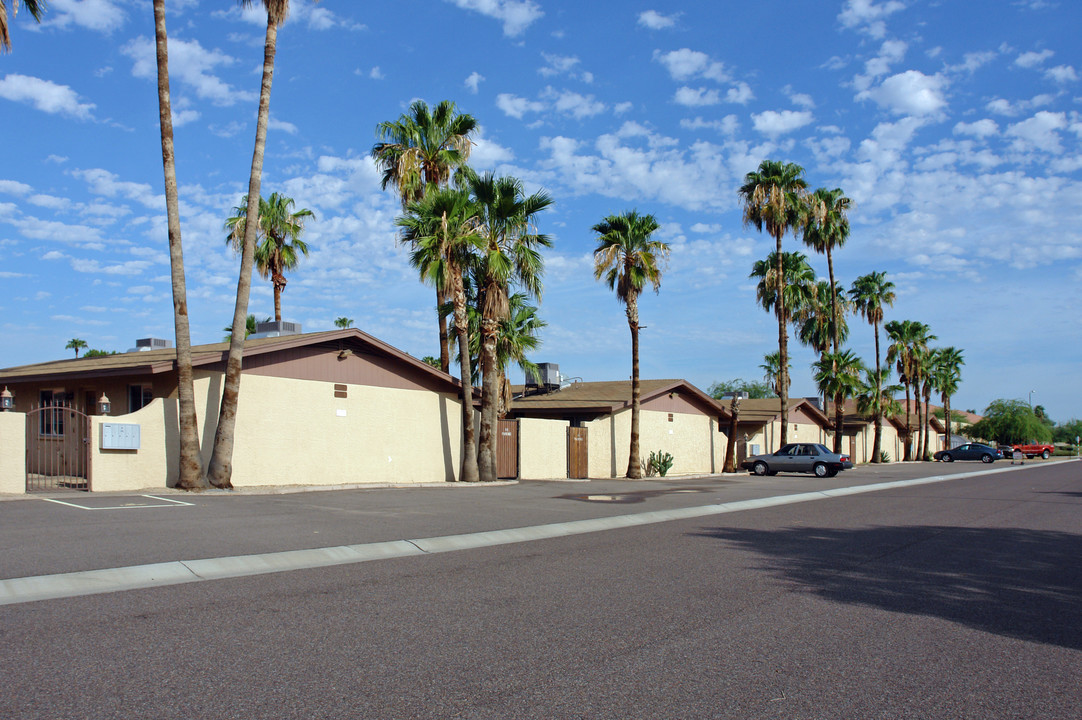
(884, 456)
(659, 462)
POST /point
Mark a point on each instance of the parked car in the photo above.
(1032, 450)
(1005, 450)
(799, 457)
(969, 451)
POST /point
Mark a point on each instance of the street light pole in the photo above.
(1031, 399)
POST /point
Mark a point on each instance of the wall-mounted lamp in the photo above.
(104, 406)
(343, 354)
(7, 400)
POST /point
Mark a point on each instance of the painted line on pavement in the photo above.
(173, 503)
(91, 582)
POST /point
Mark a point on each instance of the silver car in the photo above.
(799, 457)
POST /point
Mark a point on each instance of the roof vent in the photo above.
(742, 394)
(546, 379)
(151, 344)
(275, 328)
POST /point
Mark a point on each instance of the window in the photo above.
(139, 396)
(52, 419)
(340, 391)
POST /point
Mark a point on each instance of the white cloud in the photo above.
(375, 73)
(1032, 59)
(739, 94)
(105, 183)
(774, 122)
(276, 124)
(516, 106)
(488, 154)
(867, 17)
(696, 97)
(13, 187)
(1040, 132)
(656, 21)
(1061, 74)
(474, 81)
(516, 15)
(99, 15)
(909, 93)
(980, 129)
(190, 64)
(728, 125)
(573, 104)
(558, 64)
(685, 64)
(45, 95)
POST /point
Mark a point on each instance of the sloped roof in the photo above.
(164, 360)
(764, 410)
(606, 396)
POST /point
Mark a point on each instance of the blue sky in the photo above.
(956, 132)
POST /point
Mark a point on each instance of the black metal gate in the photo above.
(57, 449)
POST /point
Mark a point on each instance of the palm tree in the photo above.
(877, 400)
(442, 228)
(870, 294)
(34, 7)
(250, 324)
(837, 375)
(420, 150)
(75, 344)
(280, 246)
(343, 322)
(798, 283)
(628, 259)
(509, 254)
(909, 340)
(220, 470)
(772, 198)
(816, 321)
(771, 368)
(190, 470)
(926, 360)
(947, 376)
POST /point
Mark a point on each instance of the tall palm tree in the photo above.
(517, 337)
(816, 320)
(506, 219)
(909, 340)
(870, 294)
(220, 470)
(76, 344)
(190, 470)
(279, 247)
(35, 7)
(772, 198)
(628, 259)
(798, 285)
(876, 398)
(442, 228)
(926, 360)
(837, 375)
(947, 375)
(422, 149)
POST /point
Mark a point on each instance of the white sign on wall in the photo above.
(119, 436)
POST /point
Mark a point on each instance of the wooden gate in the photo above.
(578, 453)
(57, 448)
(507, 449)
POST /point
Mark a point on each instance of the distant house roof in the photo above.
(153, 362)
(603, 398)
(765, 410)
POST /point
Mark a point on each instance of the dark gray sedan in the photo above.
(799, 458)
(969, 451)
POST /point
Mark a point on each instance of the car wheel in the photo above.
(947, 457)
(831, 472)
(759, 468)
(821, 470)
(1045, 455)
(1029, 457)
(986, 458)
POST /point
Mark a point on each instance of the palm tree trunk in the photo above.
(927, 422)
(634, 471)
(783, 345)
(920, 422)
(191, 475)
(947, 415)
(445, 342)
(730, 445)
(220, 471)
(839, 415)
(908, 446)
(278, 301)
(877, 443)
(469, 472)
(486, 453)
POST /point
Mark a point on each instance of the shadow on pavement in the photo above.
(1019, 583)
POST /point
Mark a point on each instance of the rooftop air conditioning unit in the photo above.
(546, 379)
(145, 344)
(275, 329)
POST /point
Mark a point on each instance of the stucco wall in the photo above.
(542, 448)
(295, 432)
(126, 470)
(12, 453)
(692, 439)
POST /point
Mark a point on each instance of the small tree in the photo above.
(343, 322)
(1009, 422)
(75, 344)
